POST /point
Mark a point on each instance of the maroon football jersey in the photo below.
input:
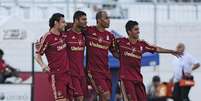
(98, 44)
(130, 56)
(75, 49)
(54, 47)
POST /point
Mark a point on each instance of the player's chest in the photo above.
(99, 38)
(75, 40)
(134, 48)
(57, 44)
(130, 50)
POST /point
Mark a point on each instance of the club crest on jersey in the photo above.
(133, 50)
(141, 48)
(73, 37)
(94, 34)
(107, 38)
(100, 39)
(55, 39)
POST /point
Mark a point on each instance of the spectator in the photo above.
(183, 66)
(6, 71)
(154, 91)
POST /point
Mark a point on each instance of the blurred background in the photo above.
(162, 22)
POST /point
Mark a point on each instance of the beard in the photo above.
(62, 30)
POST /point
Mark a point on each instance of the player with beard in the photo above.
(53, 45)
(75, 41)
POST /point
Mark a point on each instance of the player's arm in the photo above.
(39, 60)
(114, 48)
(114, 52)
(85, 30)
(158, 49)
(40, 49)
(164, 50)
(68, 26)
(169, 51)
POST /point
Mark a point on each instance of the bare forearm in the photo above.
(115, 52)
(163, 50)
(39, 60)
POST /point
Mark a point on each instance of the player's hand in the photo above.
(177, 53)
(45, 68)
(93, 83)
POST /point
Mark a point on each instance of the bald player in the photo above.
(99, 42)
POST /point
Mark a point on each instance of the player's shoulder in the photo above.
(142, 41)
(93, 27)
(122, 39)
(67, 31)
(145, 43)
(109, 32)
(90, 28)
(46, 35)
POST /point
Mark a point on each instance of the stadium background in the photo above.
(162, 22)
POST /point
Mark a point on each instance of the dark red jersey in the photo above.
(130, 56)
(98, 44)
(75, 49)
(54, 47)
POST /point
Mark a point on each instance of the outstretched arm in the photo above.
(153, 48)
(164, 50)
(114, 49)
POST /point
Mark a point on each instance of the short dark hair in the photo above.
(130, 24)
(55, 17)
(156, 78)
(78, 14)
(1, 52)
(99, 15)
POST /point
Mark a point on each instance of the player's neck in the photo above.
(76, 29)
(132, 40)
(55, 31)
(100, 28)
